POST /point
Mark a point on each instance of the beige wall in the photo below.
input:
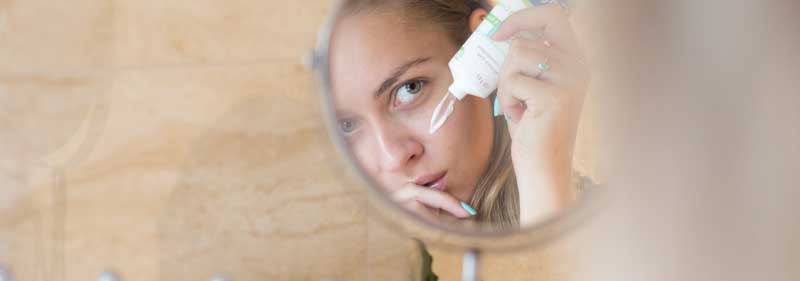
(176, 140)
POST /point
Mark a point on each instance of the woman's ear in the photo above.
(476, 18)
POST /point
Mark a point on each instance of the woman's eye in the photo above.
(348, 126)
(408, 92)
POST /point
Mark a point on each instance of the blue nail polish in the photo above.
(496, 107)
(540, 2)
(469, 208)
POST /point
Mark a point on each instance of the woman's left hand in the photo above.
(541, 90)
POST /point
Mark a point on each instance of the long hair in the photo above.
(496, 197)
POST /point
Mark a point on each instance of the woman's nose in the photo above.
(398, 150)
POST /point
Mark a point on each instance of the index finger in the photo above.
(432, 198)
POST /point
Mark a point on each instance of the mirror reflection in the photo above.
(464, 112)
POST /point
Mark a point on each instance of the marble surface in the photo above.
(181, 140)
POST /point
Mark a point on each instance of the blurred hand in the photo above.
(541, 90)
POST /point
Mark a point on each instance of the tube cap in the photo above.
(457, 91)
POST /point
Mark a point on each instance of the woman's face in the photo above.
(387, 77)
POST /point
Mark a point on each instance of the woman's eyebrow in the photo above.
(399, 71)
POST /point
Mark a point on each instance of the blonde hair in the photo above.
(496, 197)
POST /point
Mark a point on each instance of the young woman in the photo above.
(506, 164)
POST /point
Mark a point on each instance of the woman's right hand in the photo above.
(429, 203)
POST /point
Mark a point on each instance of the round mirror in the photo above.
(461, 116)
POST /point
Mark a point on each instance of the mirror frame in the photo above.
(407, 222)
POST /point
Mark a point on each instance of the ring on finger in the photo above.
(543, 67)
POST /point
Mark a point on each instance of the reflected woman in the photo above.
(505, 164)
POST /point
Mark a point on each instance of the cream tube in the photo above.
(476, 65)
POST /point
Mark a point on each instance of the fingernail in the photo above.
(506, 116)
(469, 208)
(540, 2)
(496, 107)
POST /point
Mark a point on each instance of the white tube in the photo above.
(476, 65)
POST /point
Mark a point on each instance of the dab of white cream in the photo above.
(439, 117)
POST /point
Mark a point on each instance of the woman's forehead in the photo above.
(367, 48)
(382, 38)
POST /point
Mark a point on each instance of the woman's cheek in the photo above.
(418, 118)
(457, 120)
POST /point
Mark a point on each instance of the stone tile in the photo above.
(47, 119)
(177, 32)
(44, 113)
(214, 170)
(40, 35)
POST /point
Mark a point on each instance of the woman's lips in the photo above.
(439, 184)
(436, 181)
